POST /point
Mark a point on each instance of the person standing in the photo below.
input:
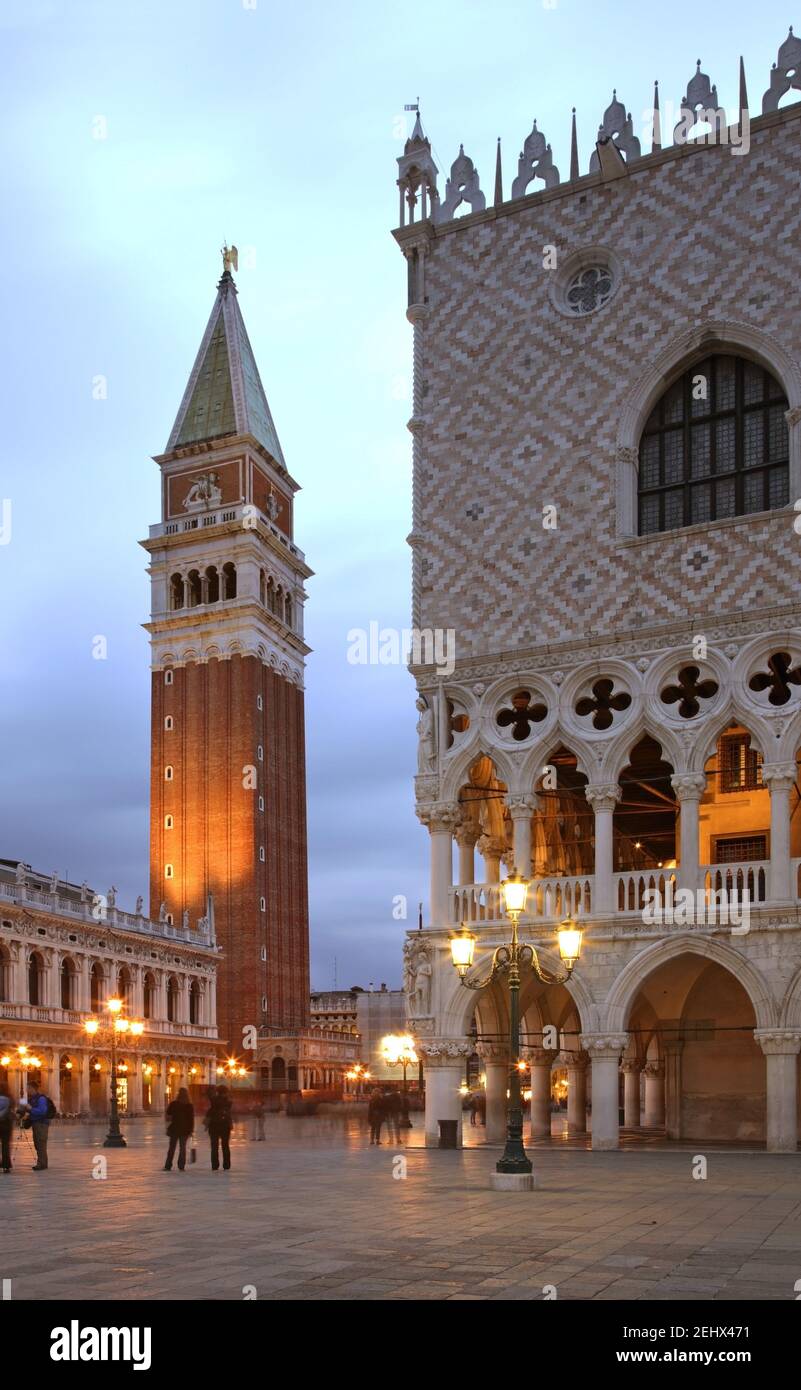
(6, 1128)
(392, 1110)
(258, 1113)
(219, 1122)
(39, 1111)
(180, 1126)
(376, 1115)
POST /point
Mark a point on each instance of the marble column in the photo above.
(496, 1068)
(603, 800)
(632, 1070)
(654, 1095)
(673, 1051)
(780, 778)
(689, 789)
(441, 820)
(576, 1063)
(605, 1050)
(491, 850)
(541, 1060)
(444, 1063)
(521, 809)
(466, 837)
(781, 1047)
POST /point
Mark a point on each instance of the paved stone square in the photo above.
(315, 1213)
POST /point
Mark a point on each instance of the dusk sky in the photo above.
(277, 128)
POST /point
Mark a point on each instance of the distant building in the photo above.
(367, 1014)
(65, 950)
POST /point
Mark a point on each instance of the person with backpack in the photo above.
(181, 1125)
(39, 1111)
(6, 1127)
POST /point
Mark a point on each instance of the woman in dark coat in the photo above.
(219, 1123)
(181, 1124)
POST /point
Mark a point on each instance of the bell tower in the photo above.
(228, 784)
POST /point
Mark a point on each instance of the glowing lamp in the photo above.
(569, 943)
(137, 1029)
(68, 1066)
(220, 1071)
(91, 1025)
(172, 1071)
(463, 945)
(121, 1025)
(515, 892)
(114, 1005)
(5, 1061)
(22, 1049)
(97, 1066)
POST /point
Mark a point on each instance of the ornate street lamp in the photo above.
(509, 960)
(117, 1024)
(398, 1051)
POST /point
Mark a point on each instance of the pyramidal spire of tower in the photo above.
(574, 159)
(224, 394)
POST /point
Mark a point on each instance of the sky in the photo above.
(137, 137)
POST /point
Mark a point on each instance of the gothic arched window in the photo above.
(715, 445)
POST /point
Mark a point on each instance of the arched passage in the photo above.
(691, 1024)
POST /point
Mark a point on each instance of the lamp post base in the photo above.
(512, 1182)
(115, 1141)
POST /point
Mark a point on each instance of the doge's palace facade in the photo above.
(607, 456)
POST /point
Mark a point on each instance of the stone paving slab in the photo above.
(316, 1214)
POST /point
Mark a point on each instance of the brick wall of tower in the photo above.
(218, 830)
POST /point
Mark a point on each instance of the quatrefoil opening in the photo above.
(521, 715)
(689, 692)
(603, 705)
(778, 679)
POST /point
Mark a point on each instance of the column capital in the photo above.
(632, 1065)
(441, 815)
(467, 834)
(603, 796)
(492, 845)
(689, 786)
(492, 1052)
(782, 776)
(521, 807)
(654, 1069)
(539, 1056)
(574, 1061)
(779, 1042)
(604, 1044)
(443, 1052)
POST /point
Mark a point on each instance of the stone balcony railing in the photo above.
(243, 512)
(552, 899)
(90, 912)
(154, 1027)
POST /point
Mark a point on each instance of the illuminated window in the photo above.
(740, 849)
(168, 773)
(740, 765)
(168, 873)
(168, 722)
(168, 822)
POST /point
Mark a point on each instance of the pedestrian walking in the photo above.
(180, 1127)
(376, 1114)
(258, 1112)
(6, 1127)
(392, 1110)
(219, 1122)
(39, 1111)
